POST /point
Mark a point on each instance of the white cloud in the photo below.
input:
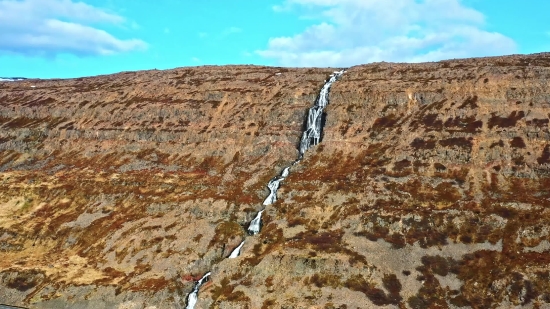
(51, 27)
(360, 31)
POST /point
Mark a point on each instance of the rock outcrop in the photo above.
(430, 188)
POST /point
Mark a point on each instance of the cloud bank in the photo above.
(51, 27)
(352, 32)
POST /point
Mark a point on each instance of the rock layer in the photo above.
(430, 188)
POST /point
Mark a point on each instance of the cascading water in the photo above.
(254, 227)
(235, 254)
(273, 186)
(311, 136)
(285, 172)
(314, 126)
(194, 295)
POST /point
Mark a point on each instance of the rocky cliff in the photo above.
(430, 188)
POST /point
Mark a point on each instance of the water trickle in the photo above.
(235, 253)
(193, 296)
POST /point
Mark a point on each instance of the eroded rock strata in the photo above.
(430, 188)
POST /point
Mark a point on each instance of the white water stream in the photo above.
(235, 254)
(311, 136)
(255, 224)
(314, 127)
(194, 295)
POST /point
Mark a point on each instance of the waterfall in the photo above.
(193, 296)
(254, 227)
(285, 172)
(235, 253)
(311, 136)
(314, 126)
(273, 186)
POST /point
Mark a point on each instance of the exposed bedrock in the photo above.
(430, 188)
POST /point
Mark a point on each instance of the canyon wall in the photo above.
(430, 187)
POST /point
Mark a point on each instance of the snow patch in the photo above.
(11, 79)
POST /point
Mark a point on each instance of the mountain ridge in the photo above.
(121, 190)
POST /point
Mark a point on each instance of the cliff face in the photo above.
(431, 187)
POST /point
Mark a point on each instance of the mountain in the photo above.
(430, 187)
(11, 79)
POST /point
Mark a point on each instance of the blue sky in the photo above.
(72, 38)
